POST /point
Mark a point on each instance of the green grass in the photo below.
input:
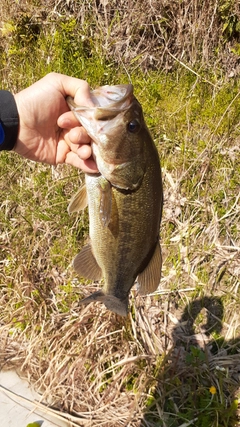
(157, 366)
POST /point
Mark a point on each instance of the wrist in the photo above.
(9, 121)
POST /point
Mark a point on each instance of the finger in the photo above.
(78, 135)
(62, 151)
(84, 152)
(72, 86)
(87, 166)
(75, 138)
(67, 120)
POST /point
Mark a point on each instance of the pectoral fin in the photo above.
(86, 265)
(149, 279)
(79, 201)
(105, 204)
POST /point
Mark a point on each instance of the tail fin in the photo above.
(111, 302)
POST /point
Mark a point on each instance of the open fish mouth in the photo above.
(108, 102)
(105, 116)
(124, 199)
(113, 97)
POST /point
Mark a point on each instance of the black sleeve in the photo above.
(9, 120)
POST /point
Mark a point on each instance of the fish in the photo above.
(124, 199)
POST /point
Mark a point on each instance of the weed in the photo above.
(175, 360)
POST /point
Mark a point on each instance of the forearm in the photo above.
(9, 121)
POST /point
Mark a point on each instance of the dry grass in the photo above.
(154, 368)
(199, 34)
(97, 369)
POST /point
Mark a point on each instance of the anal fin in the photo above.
(149, 279)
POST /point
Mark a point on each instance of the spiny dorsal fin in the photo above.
(79, 201)
(86, 265)
(149, 279)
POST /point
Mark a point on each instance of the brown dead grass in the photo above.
(92, 367)
(148, 34)
(97, 369)
(83, 360)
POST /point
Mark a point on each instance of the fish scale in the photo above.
(124, 199)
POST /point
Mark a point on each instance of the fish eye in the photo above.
(133, 126)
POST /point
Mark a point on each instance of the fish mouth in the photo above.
(116, 97)
(108, 102)
(105, 122)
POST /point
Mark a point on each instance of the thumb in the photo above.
(76, 88)
(79, 90)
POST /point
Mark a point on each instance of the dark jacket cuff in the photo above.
(9, 120)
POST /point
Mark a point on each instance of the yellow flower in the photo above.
(36, 424)
(213, 390)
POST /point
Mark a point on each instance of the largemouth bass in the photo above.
(124, 199)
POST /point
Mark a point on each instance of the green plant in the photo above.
(164, 365)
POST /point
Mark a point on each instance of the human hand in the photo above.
(48, 131)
